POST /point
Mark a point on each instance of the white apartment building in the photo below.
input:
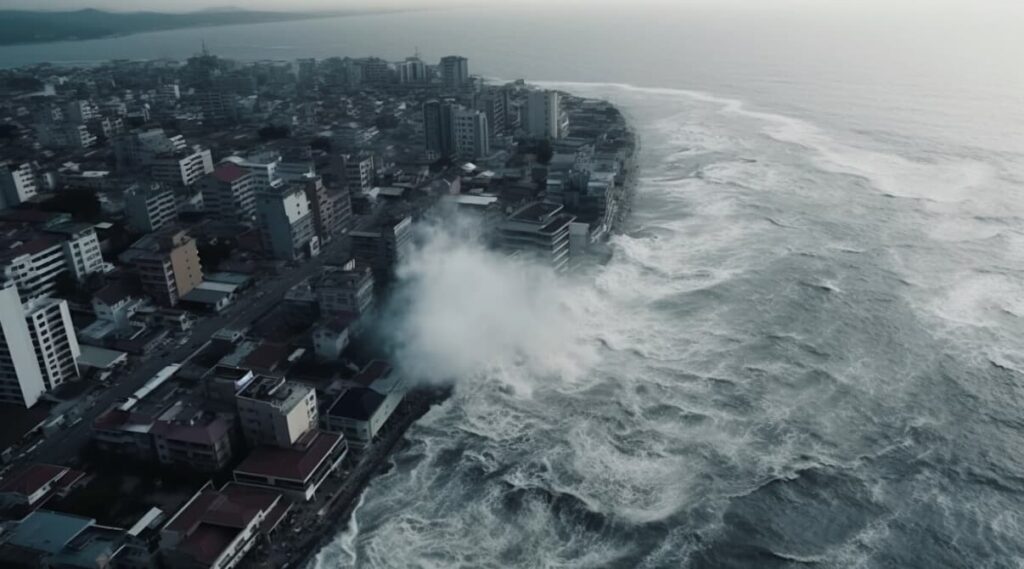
(471, 133)
(149, 206)
(182, 168)
(286, 222)
(544, 116)
(17, 184)
(276, 412)
(33, 265)
(38, 347)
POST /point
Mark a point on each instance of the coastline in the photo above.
(336, 514)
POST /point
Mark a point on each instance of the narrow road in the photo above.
(65, 446)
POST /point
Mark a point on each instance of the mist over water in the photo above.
(804, 352)
(806, 349)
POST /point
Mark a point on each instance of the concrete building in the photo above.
(81, 248)
(494, 102)
(437, 128)
(66, 136)
(541, 230)
(137, 148)
(218, 107)
(382, 244)
(332, 209)
(544, 116)
(53, 539)
(150, 206)
(347, 289)
(470, 132)
(332, 337)
(298, 470)
(38, 348)
(229, 192)
(17, 184)
(33, 264)
(167, 264)
(358, 171)
(81, 111)
(216, 528)
(285, 220)
(276, 412)
(182, 168)
(361, 411)
(454, 72)
(412, 70)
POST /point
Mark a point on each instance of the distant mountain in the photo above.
(28, 26)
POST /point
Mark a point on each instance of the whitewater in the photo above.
(804, 352)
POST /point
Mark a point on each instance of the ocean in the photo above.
(806, 349)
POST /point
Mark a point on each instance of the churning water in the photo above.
(806, 351)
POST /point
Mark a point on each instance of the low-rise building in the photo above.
(216, 528)
(541, 230)
(297, 471)
(150, 206)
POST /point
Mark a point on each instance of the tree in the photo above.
(9, 131)
(213, 253)
(321, 143)
(83, 205)
(273, 132)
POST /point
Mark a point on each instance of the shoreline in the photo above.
(338, 511)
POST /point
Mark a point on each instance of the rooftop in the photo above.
(43, 530)
(296, 463)
(276, 391)
(229, 172)
(537, 212)
(359, 403)
(30, 478)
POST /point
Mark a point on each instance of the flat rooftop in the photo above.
(537, 212)
(296, 463)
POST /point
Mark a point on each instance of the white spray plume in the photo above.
(466, 312)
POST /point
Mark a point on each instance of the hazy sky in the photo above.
(188, 5)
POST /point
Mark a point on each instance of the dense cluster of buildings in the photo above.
(249, 217)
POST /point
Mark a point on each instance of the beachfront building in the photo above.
(365, 407)
(274, 411)
(540, 230)
(298, 470)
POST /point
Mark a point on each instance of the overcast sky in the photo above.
(188, 5)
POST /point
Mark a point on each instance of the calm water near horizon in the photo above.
(807, 348)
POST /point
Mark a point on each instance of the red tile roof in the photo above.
(228, 172)
(30, 478)
(207, 542)
(296, 463)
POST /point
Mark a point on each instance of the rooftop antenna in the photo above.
(205, 52)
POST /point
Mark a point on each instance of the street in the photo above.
(66, 445)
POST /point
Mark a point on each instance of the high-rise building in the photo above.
(471, 134)
(286, 222)
(544, 116)
(38, 347)
(412, 70)
(454, 72)
(437, 128)
(149, 206)
(17, 184)
(229, 192)
(218, 107)
(539, 229)
(137, 149)
(167, 263)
